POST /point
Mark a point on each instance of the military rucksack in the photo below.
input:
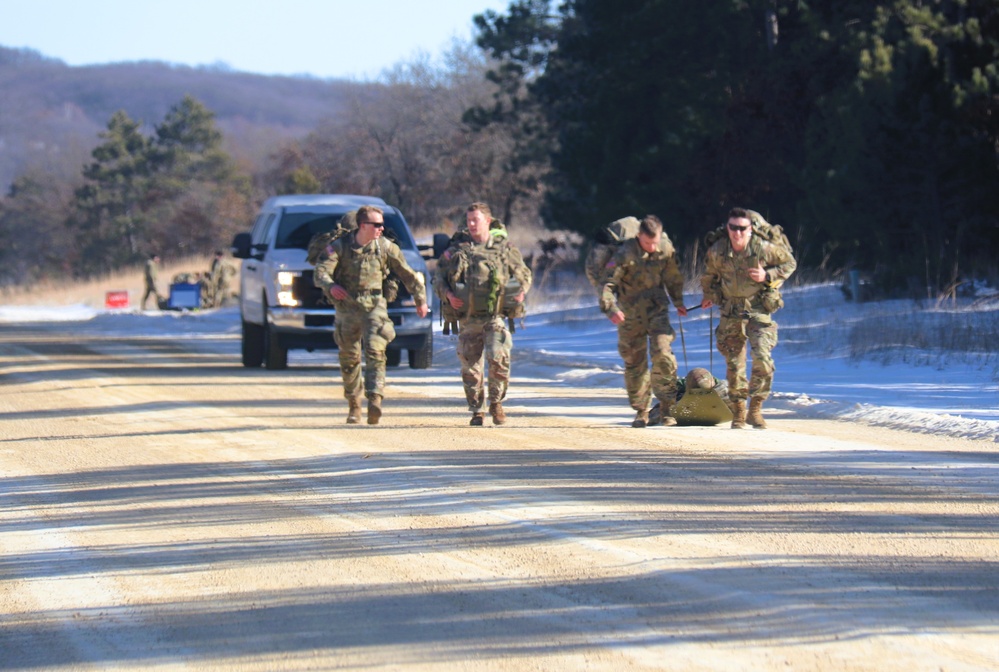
(772, 233)
(320, 243)
(770, 298)
(510, 309)
(500, 297)
(605, 243)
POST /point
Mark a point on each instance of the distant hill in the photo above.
(51, 113)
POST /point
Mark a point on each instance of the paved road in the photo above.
(162, 507)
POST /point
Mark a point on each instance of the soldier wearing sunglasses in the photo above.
(739, 270)
(351, 275)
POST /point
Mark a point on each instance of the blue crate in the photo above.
(184, 295)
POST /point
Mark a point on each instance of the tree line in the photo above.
(177, 190)
(174, 189)
(869, 129)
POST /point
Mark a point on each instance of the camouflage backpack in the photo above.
(503, 290)
(320, 243)
(605, 244)
(770, 297)
(497, 298)
(500, 298)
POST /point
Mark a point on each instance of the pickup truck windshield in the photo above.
(297, 228)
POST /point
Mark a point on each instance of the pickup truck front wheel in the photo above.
(275, 356)
(423, 357)
(253, 345)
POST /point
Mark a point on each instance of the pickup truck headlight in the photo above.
(285, 291)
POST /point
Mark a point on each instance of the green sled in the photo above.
(696, 407)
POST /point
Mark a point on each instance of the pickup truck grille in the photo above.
(312, 297)
(319, 320)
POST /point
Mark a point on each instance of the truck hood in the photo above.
(285, 260)
(294, 260)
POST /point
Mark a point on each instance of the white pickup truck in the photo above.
(280, 307)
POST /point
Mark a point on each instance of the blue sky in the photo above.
(355, 39)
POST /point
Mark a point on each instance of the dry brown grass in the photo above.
(92, 292)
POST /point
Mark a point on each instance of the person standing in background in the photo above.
(150, 277)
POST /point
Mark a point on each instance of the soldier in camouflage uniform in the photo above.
(150, 276)
(351, 275)
(642, 272)
(484, 265)
(739, 271)
(217, 281)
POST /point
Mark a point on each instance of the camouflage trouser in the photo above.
(761, 332)
(151, 291)
(219, 292)
(368, 330)
(634, 337)
(489, 336)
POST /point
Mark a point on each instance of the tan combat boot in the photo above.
(374, 409)
(755, 416)
(738, 414)
(667, 416)
(641, 420)
(496, 410)
(354, 411)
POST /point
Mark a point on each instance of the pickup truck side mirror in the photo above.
(241, 246)
(441, 242)
(434, 251)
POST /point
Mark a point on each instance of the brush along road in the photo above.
(163, 506)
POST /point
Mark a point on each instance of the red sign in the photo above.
(116, 299)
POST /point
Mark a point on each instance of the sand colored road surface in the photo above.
(163, 507)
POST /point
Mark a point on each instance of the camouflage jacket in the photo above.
(151, 273)
(635, 275)
(220, 273)
(363, 269)
(726, 279)
(482, 268)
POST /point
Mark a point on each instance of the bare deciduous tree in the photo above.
(406, 140)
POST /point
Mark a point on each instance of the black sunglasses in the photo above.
(377, 225)
(737, 228)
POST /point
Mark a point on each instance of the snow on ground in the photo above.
(955, 394)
